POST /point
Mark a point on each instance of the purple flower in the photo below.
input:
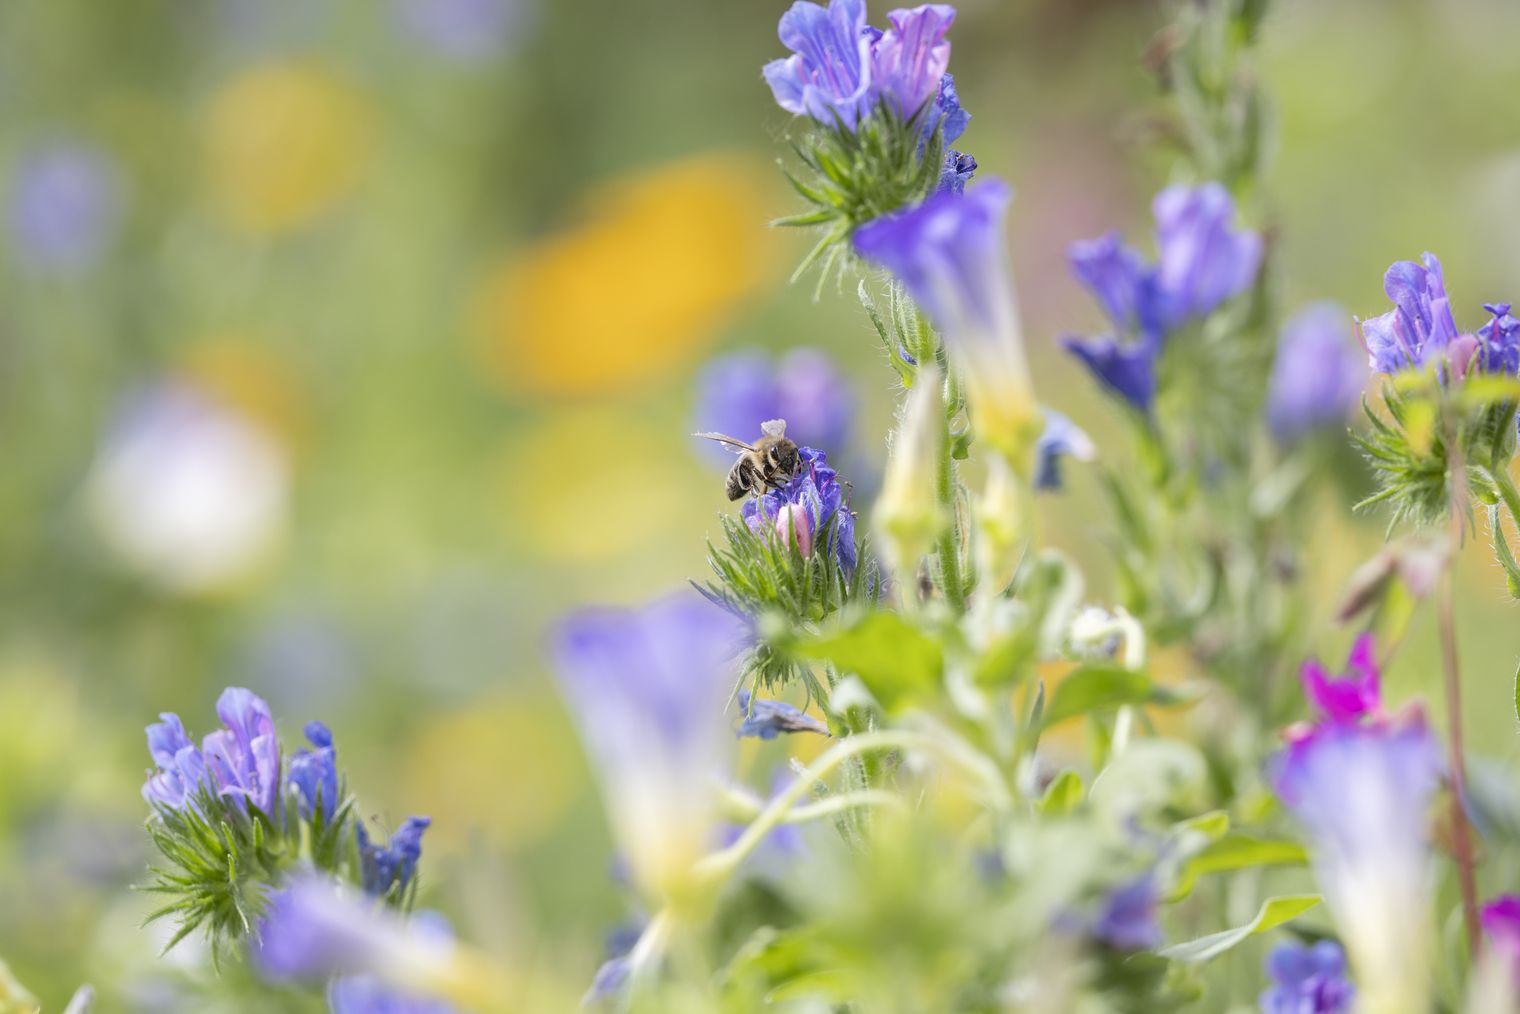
(365, 994)
(768, 719)
(464, 30)
(817, 494)
(1353, 697)
(647, 689)
(1420, 326)
(65, 205)
(841, 68)
(314, 773)
(1202, 262)
(737, 392)
(1308, 979)
(240, 761)
(314, 930)
(949, 253)
(394, 863)
(957, 172)
(1362, 793)
(1126, 918)
(1059, 438)
(1501, 924)
(1318, 375)
(1499, 341)
(949, 115)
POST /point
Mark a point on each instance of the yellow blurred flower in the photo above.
(518, 746)
(653, 272)
(284, 142)
(591, 484)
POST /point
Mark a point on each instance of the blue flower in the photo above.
(1202, 262)
(240, 761)
(769, 719)
(949, 114)
(1499, 341)
(1362, 793)
(949, 253)
(467, 31)
(738, 392)
(816, 495)
(365, 994)
(647, 688)
(1318, 376)
(395, 862)
(314, 773)
(1420, 326)
(65, 205)
(842, 68)
(1059, 438)
(1126, 919)
(957, 172)
(1308, 979)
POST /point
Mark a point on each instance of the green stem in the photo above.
(949, 539)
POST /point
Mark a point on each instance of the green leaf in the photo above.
(893, 658)
(1236, 852)
(1273, 913)
(1095, 687)
(1063, 795)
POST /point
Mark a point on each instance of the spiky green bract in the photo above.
(222, 859)
(1410, 450)
(766, 579)
(852, 177)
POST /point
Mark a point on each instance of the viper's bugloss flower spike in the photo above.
(767, 719)
(1318, 376)
(1352, 697)
(240, 761)
(807, 505)
(950, 254)
(1202, 261)
(738, 392)
(908, 516)
(1419, 328)
(314, 773)
(394, 863)
(1308, 979)
(1362, 793)
(647, 688)
(1059, 439)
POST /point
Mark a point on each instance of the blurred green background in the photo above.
(346, 343)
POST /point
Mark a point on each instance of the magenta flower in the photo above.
(1353, 696)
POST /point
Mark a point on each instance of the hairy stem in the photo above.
(949, 539)
(1461, 832)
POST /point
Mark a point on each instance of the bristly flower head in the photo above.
(1308, 979)
(1203, 261)
(647, 688)
(738, 392)
(805, 506)
(1318, 376)
(949, 253)
(240, 761)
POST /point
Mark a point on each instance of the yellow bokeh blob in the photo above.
(591, 484)
(284, 143)
(495, 743)
(653, 272)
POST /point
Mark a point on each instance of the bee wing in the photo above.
(774, 427)
(723, 438)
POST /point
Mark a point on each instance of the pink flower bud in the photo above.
(794, 518)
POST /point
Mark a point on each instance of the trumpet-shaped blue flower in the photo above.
(647, 689)
(841, 68)
(1060, 437)
(314, 773)
(1362, 793)
(395, 862)
(809, 501)
(1308, 979)
(1318, 376)
(241, 761)
(736, 393)
(950, 254)
(769, 719)
(1203, 261)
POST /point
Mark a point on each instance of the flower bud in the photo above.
(793, 520)
(908, 517)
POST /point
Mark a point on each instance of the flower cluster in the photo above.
(1202, 262)
(1308, 979)
(812, 505)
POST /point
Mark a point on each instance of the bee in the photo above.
(768, 463)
